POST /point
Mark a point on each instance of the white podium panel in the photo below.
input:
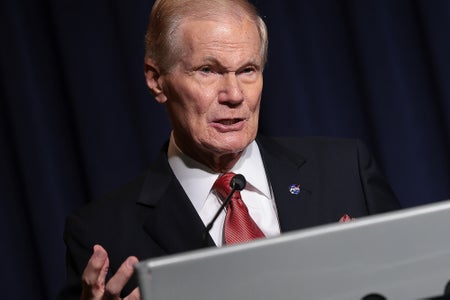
(400, 255)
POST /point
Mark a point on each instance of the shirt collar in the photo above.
(197, 179)
(252, 167)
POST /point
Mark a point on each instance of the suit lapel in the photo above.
(171, 220)
(285, 168)
(173, 223)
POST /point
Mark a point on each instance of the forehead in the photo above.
(226, 36)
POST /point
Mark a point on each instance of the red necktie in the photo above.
(239, 226)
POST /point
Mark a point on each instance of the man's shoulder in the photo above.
(306, 145)
(312, 140)
(116, 200)
(129, 193)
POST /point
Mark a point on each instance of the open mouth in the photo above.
(228, 121)
(226, 125)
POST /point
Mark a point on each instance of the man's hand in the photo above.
(94, 282)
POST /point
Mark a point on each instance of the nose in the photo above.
(231, 92)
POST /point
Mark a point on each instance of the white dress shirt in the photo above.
(197, 181)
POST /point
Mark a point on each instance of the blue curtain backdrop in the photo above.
(76, 119)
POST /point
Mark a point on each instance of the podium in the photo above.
(399, 255)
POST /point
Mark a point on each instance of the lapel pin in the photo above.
(294, 189)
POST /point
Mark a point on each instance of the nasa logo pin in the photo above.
(294, 189)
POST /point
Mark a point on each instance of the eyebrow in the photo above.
(211, 59)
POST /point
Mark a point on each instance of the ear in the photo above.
(152, 75)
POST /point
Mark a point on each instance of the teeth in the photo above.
(228, 122)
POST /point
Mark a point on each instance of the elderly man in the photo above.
(204, 62)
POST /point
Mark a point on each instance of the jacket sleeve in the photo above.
(379, 196)
(77, 255)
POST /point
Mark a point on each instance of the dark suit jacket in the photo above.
(152, 216)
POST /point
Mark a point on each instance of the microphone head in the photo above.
(238, 182)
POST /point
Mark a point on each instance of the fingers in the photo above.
(123, 274)
(94, 275)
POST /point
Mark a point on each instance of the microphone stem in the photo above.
(210, 224)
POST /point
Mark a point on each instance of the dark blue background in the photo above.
(77, 120)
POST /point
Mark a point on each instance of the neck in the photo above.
(217, 163)
(222, 163)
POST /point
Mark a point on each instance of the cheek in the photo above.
(191, 112)
(182, 100)
(255, 102)
(201, 106)
(253, 96)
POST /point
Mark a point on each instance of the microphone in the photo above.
(237, 183)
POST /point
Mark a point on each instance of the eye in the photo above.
(248, 70)
(206, 69)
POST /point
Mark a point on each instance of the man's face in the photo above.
(213, 91)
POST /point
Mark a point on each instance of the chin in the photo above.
(232, 145)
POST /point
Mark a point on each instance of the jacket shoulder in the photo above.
(312, 146)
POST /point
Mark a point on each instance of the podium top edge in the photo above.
(402, 214)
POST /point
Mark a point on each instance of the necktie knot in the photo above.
(239, 226)
(222, 185)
